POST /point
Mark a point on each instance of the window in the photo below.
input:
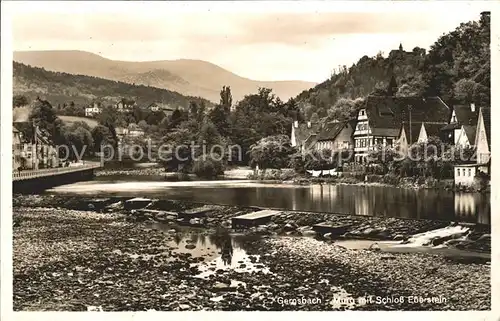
(389, 142)
(463, 172)
(469, 172)
(458, 171)
(380, 141)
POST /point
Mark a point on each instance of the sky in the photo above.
(264, 41)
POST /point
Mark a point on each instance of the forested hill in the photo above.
(62, 88)
(456, 68)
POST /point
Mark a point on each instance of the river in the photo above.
(343, 199)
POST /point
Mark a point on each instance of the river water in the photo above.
(343, 199)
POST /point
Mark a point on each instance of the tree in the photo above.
(44, 116)
(414, 87)
(344, 109)
(226, 99)
(271, 152)
(208, 168)
(220, 119)
(101, 135)
(19, 101)
(314, 118)
(385, 156)
(143, 125)
(466, 90)
(79, 140)
(208, 133)
(393, 86)
(176, 118)
(154, 117)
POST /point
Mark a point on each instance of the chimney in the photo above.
(473, 107)
(296, 124)
(308, 124)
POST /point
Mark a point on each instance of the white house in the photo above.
(93, 109)
(464, 174)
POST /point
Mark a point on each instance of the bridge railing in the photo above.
(27, 174)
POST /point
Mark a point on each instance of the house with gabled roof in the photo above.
(462, 115)
(335, 136)
(464, 174)
(381, 119)
(303, 135)
(125, 104)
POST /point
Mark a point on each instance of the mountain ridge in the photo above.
(64, 88)
(190, 77)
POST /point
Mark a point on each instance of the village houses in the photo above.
(36, 152)
(16, 149)
(400, 122)
(384, 120)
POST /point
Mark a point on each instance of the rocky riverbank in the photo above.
(289, 223)
(102, 261)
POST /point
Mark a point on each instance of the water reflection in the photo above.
(345, 199)
(220, 250)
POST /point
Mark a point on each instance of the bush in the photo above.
(431, 182)
(287, 174)
(481, 181)
(208, 168)
(374, 178)
(348, 180)
(391, 179)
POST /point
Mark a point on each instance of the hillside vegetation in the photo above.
(456, 68)
(63, 88)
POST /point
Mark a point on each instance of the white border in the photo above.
(10, 8)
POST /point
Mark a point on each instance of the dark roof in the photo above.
(486, 112)
(310, 140)
(451, 126)
(470, 131)
(434, 129)
(465, 116)
(386, 114)
(303, 132)
(415, 131)
(330, 130)
(126, 101)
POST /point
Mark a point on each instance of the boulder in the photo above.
(194, 221)
(308, 233)
(398, 237)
